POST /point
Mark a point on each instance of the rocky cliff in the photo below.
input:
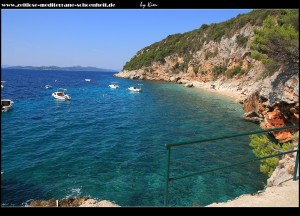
(219, 57)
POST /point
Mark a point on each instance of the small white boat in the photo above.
(2, 86)
(6, 104)
(135, 89)
(114, 85)
(88, 80)
(48, 87)
(61, 94)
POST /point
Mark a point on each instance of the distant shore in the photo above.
(56, 68)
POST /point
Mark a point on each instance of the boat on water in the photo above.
(6, 104)
(2, 86)
(114, 85)
(88, 80)
(61, 94)
(48, 87)
(135, 89)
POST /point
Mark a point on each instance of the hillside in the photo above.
(255, 55)
(73, 68)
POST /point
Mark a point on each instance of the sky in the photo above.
(93, 37)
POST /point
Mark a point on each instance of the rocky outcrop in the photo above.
(285, 170)
(275, 103)
(80, 201)
(189, 85)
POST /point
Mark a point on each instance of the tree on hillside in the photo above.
(277, 42)
(262, 147)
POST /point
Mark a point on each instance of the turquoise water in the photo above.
(109, 144)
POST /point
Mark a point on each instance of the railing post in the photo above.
(166, 201)
(296, 164)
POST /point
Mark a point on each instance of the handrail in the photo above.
(231, 165)
(169, 146)
(230, 136)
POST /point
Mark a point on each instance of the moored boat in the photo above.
(6, 104)
(114, 85)
(135, 89)
(61, 94)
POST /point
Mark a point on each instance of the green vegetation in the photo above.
(234, 71)
(203, 73)
(211, 54)
(196, 69)
(217, 70)
(263, 146)
(149, 70)
(241, 40)
(185, 45)
(178, 67)
(277, 42)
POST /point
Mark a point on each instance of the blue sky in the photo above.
(99, 38)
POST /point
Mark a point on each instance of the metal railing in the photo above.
(169, 146)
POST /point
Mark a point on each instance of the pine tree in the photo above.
(277, 42)
(263, 146)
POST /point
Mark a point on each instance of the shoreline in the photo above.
(284, 195)
(227, 93)
(221, 88)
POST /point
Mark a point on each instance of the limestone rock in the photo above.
(80, 201)
(284, 171)
(252, 116)
(189, 85)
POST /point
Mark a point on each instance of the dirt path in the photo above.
(283, 195)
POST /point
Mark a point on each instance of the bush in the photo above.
(262, 147)
(217, 70)
(210, 54)
(257, 55)
(271, 67)
(242, 40)
(237, 70)
(196, 69)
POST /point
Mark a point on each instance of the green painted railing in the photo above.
(169, 146)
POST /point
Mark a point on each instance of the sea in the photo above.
(109, 144)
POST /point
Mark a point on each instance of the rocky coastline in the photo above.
(271, 101)
(80, 201)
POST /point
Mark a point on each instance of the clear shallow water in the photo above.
(109, 144)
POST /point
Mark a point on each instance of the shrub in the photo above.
(242, 40)
(263, 146)
(237, 70)
(217, 70)
(196, 69)
(210, 54)
(257, 55)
